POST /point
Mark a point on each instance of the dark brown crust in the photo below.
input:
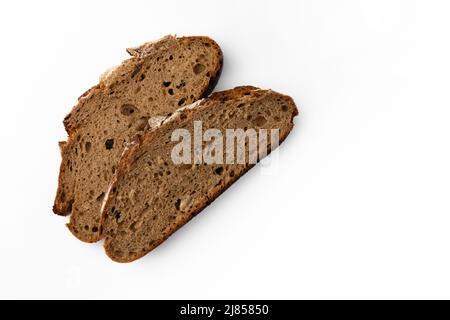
(63, 202)
(61, 207)
(132, 154)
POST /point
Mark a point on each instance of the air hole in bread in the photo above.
(87, 146)
(142, 77)
(284, 108)
(136, 70)
(199, 68)
(100, 197)
(181, 85)
(170, 91)
(167, 83)
(109, 144)
(259, 121)
(127, 109)
(181, 102)
(219, 170)
(177, 204)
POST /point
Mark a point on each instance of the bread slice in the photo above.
(159, 78)
(150, 196)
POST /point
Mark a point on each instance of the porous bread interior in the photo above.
(153, 197)
(158, 83)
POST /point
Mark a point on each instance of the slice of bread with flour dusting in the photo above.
(154, 192)
(159, 78)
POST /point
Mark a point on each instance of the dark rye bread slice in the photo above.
(159, 78)
(150, 196)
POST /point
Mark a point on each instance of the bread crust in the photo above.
(132, 153)
(65, 192)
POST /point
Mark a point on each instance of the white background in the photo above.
(359, 206)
